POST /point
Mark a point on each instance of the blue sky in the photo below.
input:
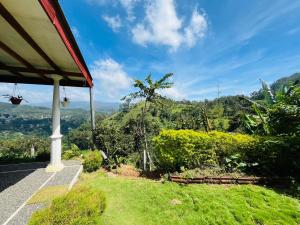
(205, 43)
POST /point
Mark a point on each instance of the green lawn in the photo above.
(145, 202)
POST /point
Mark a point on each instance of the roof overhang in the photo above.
(36, 43)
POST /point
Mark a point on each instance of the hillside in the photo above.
(277, 85)
(26, 119)
(223, 113)
(101, 107)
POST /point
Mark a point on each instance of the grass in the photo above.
(81, 206)
(146, 202)
(47, 194)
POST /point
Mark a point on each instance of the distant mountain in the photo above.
(36, 120)
(103, 107)
(277, 85)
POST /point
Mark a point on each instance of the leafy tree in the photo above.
(113, 141)
(147, 91)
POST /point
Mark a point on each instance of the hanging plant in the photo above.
(15, 99)
(66, 101)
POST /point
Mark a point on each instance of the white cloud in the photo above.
(174, 93)
(113, 21)
(128, 6)
(76, 94)
(163, 26)
(112, 78)
(196, 29)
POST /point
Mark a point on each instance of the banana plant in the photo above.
(268, 94)
(260, 122)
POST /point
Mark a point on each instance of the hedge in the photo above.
(191, 149)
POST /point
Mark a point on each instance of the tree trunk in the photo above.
(150, 162)
(145, 137)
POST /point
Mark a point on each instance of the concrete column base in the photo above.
(55, 157)
(52, 169)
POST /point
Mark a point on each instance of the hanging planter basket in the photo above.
(16, 97)
(16, 100)
(65, 102)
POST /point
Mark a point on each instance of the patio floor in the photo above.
(19, 182)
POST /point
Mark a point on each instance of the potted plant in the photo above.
(65, 102)
(16, 100)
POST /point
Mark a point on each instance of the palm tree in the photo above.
(148, 91)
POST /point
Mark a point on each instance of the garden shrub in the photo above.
(229, 144)
(18, 149)
(187, 148)
(74, 151)
(276, 156)
(255, 154)
(92, 161)
(83, 206)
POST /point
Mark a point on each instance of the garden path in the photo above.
(19, 182)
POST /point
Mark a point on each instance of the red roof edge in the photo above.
(55, 14)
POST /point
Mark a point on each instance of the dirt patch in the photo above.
(175, 202)
(47, 194)
(127, 171)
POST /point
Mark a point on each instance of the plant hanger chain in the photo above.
(16, 89)
(64, 90)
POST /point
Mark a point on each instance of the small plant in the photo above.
(74, 151)
(82, 205)
(92, 161)
(234, 163)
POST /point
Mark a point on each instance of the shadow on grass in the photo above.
(292, 190)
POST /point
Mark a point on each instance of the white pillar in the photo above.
(92, 110)
(55, 155)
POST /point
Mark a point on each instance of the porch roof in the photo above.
(36, 43)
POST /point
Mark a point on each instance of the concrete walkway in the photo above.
(19, 182)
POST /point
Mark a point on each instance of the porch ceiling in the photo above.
(36, 43)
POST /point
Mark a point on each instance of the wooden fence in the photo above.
(231, 180)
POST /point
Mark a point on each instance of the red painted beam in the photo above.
(14, 23)
(55, 14)
(38, 71)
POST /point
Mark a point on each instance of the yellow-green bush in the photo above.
(82, 205)
(261, 155)
(227, 144)
(92, 161)
(176, 148)
(73, 152)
